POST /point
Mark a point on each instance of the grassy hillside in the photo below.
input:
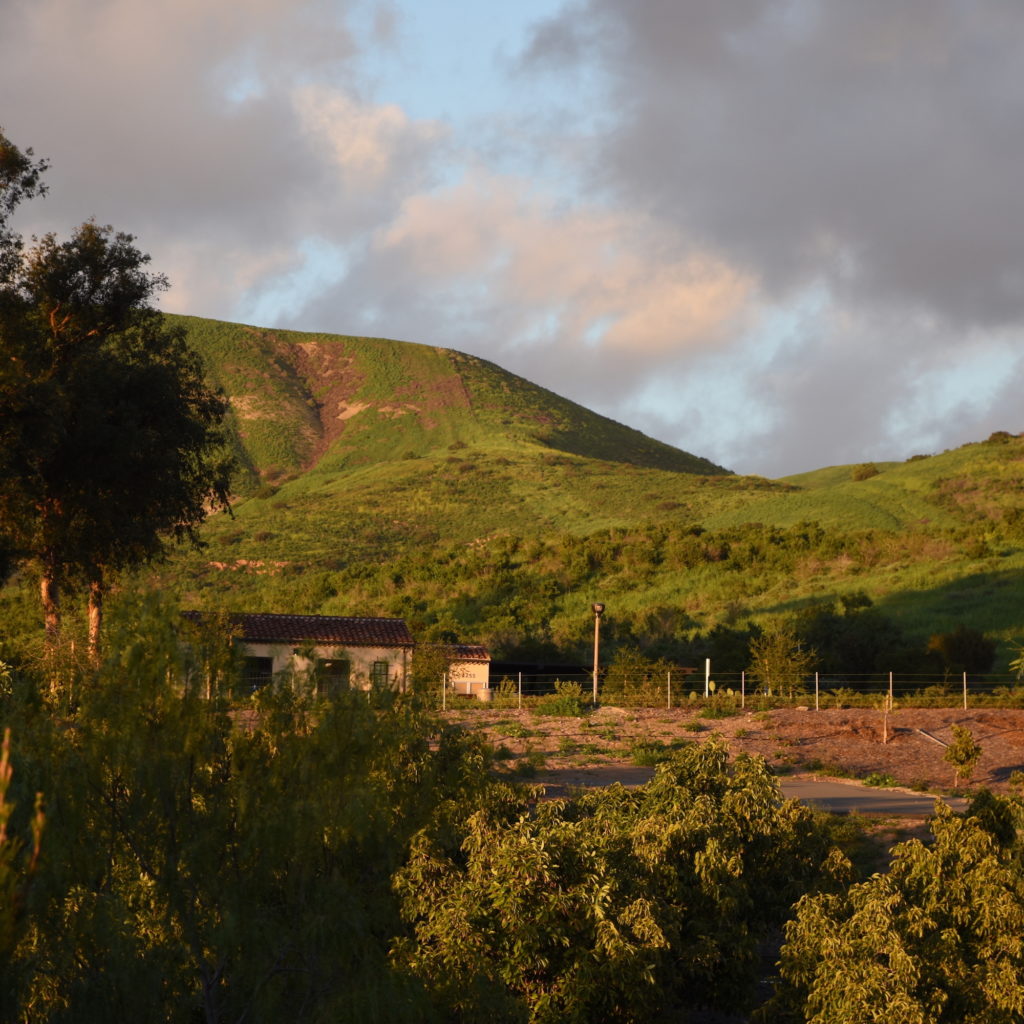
(333, 403)
(382, 477)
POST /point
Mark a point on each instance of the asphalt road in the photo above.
(839, 796)
(843, 797)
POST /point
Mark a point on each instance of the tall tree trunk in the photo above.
(50, 594)
(96, 589)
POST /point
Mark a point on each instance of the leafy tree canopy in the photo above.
(110, 440)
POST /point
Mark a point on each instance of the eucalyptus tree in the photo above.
(110, 442)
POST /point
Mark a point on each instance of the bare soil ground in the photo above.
(601, 747)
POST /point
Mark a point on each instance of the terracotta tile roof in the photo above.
(462, 652)
(344, 630)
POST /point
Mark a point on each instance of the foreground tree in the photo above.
(939, 938)
(621, 905)
(196, 871)
(16, 870)
(20, 178)
(110, 443)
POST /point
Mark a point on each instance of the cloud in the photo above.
(574, 295)
(872, 143)
(866, 151)
(223, 135)
(779, 234)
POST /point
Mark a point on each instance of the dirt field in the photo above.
(609, 743)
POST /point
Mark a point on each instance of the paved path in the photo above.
(840, 796)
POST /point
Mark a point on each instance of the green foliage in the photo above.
(566, 702)
(938, 939)
(229, 871)
(880, 779)
(632, 677)
(648, 753)
(619, 905)
(16, 870)
(779, 663)
(963, 650)
(963, 753)
(865, 471)
(109, 440)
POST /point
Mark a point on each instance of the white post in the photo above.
(520, 691)
(668, 687)
(743, 689)
(707, 676)
(816, 691)
(965, 691)
(598, 610)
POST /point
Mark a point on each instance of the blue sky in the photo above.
(781, 235)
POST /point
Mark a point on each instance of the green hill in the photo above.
(332, 403)
(384, 477)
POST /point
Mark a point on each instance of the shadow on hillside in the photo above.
(987, 600)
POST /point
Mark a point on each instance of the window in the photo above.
(332, 676)
(256, 672)
(379, 673)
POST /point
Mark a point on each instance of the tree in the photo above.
(110, 442)
(962, 754)
(229, 874)
(615, 906)
(938, 939)
(14, 875)
(779, 662)
(20, 179)
(963, 650)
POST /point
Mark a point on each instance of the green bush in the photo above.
(618, 905)
(880, 779)
(565, 702)
(935, 939)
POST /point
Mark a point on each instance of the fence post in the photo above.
(965, 691)
(743, 689)
(444, 691)
(669, 688)
(816, 708)
(707, 676)
(520, 691)
(890, 689)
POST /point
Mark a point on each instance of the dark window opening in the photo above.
(332, 676)
(256, 672)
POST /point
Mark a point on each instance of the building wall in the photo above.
(290, 658)
(470, 677)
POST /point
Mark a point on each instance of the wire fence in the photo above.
(735, 691)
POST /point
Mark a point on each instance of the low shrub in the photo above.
(880, 779)
(565, 702)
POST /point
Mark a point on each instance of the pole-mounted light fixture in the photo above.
(598, 610)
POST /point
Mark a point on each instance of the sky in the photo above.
(779, 234)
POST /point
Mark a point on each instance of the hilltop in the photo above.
(326, 403)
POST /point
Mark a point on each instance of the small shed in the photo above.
(468, 667)
(337, 652)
